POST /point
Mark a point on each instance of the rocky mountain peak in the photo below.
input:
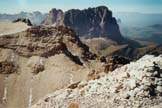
(91, 22)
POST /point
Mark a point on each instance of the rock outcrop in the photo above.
(24, 20)
(7, 67)
(138, 84)
(91, 22)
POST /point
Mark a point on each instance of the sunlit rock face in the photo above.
(91, 22)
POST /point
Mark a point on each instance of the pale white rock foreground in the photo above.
(138, 84)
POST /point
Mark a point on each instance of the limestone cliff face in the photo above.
(91, 22)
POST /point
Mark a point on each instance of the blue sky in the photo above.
(143, 6)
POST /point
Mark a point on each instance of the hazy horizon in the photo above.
(138, 6)
(18, 12)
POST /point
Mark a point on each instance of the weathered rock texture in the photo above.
(138, 84)
(91, 22)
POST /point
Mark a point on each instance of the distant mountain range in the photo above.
(152, 33)
(91, 22)
(147, 27)
(135, 19)
(35, 17)
(99, 22)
